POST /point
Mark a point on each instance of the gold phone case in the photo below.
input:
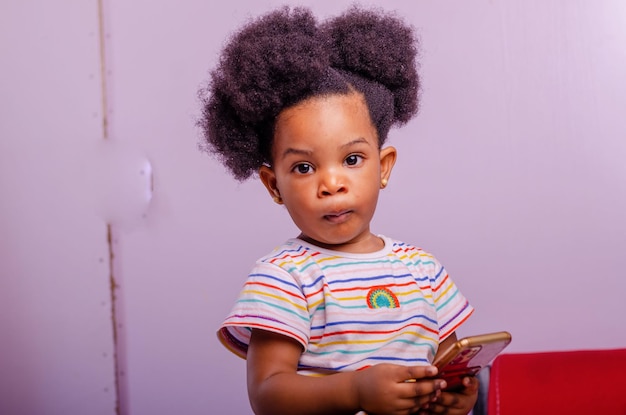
(496, 341)
(467, 356)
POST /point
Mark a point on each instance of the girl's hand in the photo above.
(457, 402)
(396, 390)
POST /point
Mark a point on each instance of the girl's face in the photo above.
(327, 170)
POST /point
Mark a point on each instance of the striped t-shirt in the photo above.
(349, 311)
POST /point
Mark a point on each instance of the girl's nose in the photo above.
(331, 183)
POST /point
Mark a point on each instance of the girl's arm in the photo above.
(275, 388)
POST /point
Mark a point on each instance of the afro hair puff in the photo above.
(285, 57)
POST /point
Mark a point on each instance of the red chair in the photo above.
(554, 383)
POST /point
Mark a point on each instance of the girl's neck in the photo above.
(372, 243)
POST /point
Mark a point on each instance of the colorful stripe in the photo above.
(349, 311)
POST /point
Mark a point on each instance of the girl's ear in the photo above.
(268, 177)
(388, 157)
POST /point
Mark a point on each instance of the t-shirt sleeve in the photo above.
(272, 300)
(451, 306)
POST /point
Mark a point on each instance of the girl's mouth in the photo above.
(338, 217)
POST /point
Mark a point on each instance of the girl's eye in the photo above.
(354, 159)
(303, 168)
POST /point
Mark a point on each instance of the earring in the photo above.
(383, 183)
(277, 198)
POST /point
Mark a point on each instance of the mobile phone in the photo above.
(467, 356)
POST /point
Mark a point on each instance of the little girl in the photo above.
(337, 320)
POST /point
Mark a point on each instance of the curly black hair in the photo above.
(285, 57)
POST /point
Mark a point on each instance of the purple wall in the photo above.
(514, 172)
